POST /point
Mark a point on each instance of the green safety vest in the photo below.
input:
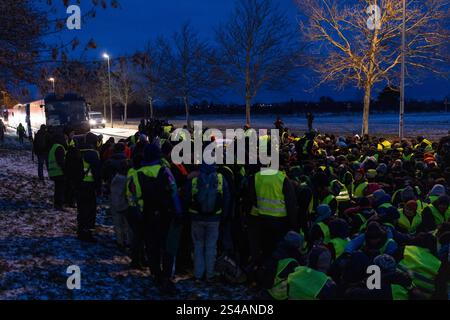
(269, 194)
(279, 290)
(194, 208)
(405, 223)
(71, 143)
(326, 232)
(437, 215)
(305, 283)
(167, 129)
(149, 171)
(339, 245)
(423, 267)
(399, 292)
(88, 175)
(358, 192)
(54, 170)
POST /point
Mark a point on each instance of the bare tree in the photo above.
(188, 69)
(257, 48)
(27, 38)
(353, 47)
(151, 67)
(124, 85)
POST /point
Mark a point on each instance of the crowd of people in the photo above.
(336, 206)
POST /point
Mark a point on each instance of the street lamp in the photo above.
(106, 56)
(52, 80)
(402, 82)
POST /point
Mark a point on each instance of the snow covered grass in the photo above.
(37, 244)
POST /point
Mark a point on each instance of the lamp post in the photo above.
(106, 56)
(402, 81)
(52, 80)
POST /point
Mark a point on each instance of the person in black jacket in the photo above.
(87, 189)
(41, 148)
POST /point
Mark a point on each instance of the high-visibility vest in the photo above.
(88, 175)
(306, 283)
(167, 129)
(423, 267)
(148, 171)
(327, 200)
(195, 206)
(130, 187)
(269, 194)
(279, 290)
(405, 223)
(339, 245)
(407, 157)
(399, 292)
(54, 170)
(325, 230)
(358, 192)
(437, 215)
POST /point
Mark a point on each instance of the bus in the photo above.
(56, 112)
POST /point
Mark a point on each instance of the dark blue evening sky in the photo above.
(124, 30)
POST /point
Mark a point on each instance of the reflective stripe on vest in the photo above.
(405, 223)
(437, 215)
(305, 283)
(423, 267)
(195, 191)
(279, 290)
(54, 170)
(148, 171)
(269, 194)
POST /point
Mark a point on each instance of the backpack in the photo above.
(74, 165)
(207, 195)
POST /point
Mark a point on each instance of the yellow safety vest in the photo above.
(358, 192)
(269, 194)
(279, 290)
(405, 223)
(305, 283)
(54, 170)
(437, 215)
(149, 171)
(423, 267)
(88, 175)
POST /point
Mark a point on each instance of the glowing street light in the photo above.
(52, 80)
(106, 56)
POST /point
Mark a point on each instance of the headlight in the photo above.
(103, 121)
(92, 122)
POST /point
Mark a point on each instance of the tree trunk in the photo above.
(188, 117)
(151, 107)
(125, 117)
(248, 104)
(367, 94)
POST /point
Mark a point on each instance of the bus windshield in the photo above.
(65, 112)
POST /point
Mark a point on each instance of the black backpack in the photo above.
(74, 165)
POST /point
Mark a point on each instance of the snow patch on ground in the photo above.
(37, 244)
